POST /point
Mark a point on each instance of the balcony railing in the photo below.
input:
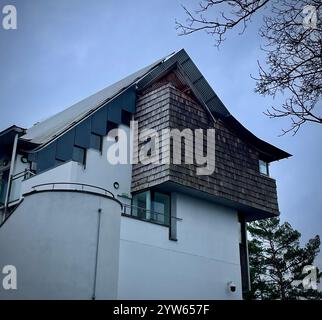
(72, 186)
(147, 215)
(24, 174)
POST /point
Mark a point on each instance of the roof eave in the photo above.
(268, 151)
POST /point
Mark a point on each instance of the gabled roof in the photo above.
(206, 95)
(46, 131)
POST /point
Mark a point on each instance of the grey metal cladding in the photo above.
(191, 71)
(46, 158)
(217, 107)
(99, 122)
(204, 89)
(114, 113)
(82, 134)
(65, 143)
(45, 131)
(126, 101)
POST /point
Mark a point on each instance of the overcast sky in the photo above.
(65, 50)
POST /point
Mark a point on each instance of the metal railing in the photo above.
(24, 174)
(73, 186)
(146, 214)
(9, 185)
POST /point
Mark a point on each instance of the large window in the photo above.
(152, 206)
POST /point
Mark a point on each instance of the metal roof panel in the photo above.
(48, 129)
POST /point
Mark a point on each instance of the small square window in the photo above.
(263, 167)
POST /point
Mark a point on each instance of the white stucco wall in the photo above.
(51, 239)
(198, 266)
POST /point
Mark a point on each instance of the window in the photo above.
(96, 142)
(152, 206)
(263, 167)
(161, 207)
(141, 203)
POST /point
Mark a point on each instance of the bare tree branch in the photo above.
(293, 65)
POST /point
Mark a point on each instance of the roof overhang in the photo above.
(267, 151)
(7, 138)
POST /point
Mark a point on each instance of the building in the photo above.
(76, 226)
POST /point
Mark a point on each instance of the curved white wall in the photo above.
(52, 238)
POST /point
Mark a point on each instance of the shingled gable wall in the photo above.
(236, 175)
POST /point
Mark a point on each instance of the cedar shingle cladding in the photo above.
(236, 175)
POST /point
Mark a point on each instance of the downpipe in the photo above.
(12, 166)
(96, 254)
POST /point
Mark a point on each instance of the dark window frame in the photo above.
(152, 193)
(266, 167)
